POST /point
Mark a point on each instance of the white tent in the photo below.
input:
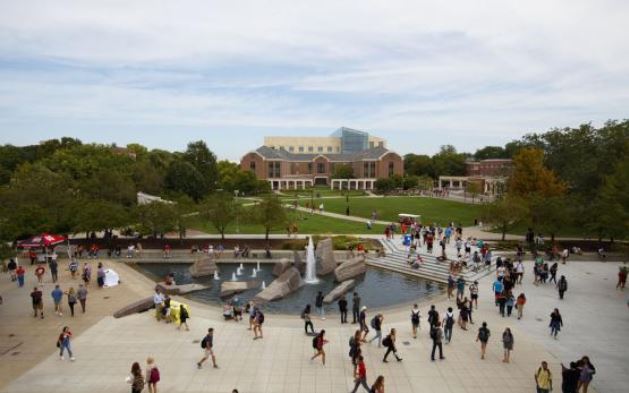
(111, 278)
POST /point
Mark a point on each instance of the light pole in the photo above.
(236, 192)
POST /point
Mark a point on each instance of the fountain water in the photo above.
(254, 272)
(258, 265)
(311, 268)
(263, 284)
(234, 276)
(241, 266)
(238, 271)
(216, 276)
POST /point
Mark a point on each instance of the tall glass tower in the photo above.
(352, 141)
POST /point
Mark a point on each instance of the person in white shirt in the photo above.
(158, 302)
(519, 269)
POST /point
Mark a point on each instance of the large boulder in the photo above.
(281, 266)
(339, 291)
(203, 267)
(288, 282)
(135, 307)
(180, 289)
(229, 288)
(298, 262)
(325, 257)
(351, 268)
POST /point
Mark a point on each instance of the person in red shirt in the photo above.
(361, 376)
(319, 342)
(39, 272)
(33, 256)
(622, 278)
(20, 272)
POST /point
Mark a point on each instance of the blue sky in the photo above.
(418, 73)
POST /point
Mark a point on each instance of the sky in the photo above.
(418, 73)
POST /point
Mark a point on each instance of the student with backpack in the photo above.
(544, 379)
(562, 286)
(448, 323)
(436, 334)
(376, 324)
(63, 342)
(354, 348)
(183, 317)
(136, 379)
(152, 374)
(258, 320)
(362, 319)
(318, 342)
(305, 315)
(389, 342)
(208, 344)
(360, 375)
(483, 337)
(415, 316)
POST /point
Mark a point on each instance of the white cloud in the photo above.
(491, 69)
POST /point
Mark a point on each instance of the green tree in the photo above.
(156, 218)
(473, 188)
(448, 162)
(383, 185)
(343, 171)
(98, 215)
(200, 156)
(489, 152)
(418, 165)
(504, 214)
(219, 209)
(531, 178)
(410, 182)
(549, 214)
(185, 178)
(270, 213)
(610, 211)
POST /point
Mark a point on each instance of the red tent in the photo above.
(43, 240)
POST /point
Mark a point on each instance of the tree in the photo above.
(220, 210)
(383, 185)
(98, 215)
(343, 171)
(549, 214)
(448, 162)
(610, 210)
(505, 213)
(184, 177)
(204, 161)
(156, 218)
(531, 178)
(489, 152)
(270, 213)
(418, 165)
(410, 182)
(473, 188)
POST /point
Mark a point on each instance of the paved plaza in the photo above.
(596, 319)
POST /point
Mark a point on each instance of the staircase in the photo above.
(432, 269)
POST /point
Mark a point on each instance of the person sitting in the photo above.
(245, 252)
(601, 253)
(194, 249)
(267, 252)
(170, 279)
(228, 311)
(236, 251)
(166, 309)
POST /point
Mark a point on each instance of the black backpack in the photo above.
(315, 342)
(387, 341)
(373, 322)
(260, 317)
(449, 321)
(433, 333)
(204, 342)
(483, 334)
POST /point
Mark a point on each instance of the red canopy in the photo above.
(43, 240)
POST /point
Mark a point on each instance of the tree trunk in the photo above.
(504, 232)
(267, 233)
(222, 234)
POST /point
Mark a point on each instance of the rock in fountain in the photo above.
(325, 256)
(229, 288)
(281, 266)
(339, 291)
(202, 267)
(311, 264)
(351, 268)
(288, 282)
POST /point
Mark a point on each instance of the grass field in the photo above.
(307, 223)
(321, 192)
(432, 210)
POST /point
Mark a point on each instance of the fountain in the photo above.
(238, 271)
(241, 266)
(234, 276)
(254, 272)
(263, 284)
(311, 262)
(258, 265)
(216, 276)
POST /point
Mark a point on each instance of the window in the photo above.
(301, 149)
(274, 169)
(310, 167)
(391, 168)
(310, 149)
(380, 144)
(320, 149)
(369, 169)
(320, 167)
(291, 149)
(252, 166)
(329, 149)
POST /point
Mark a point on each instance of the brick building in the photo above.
(490, 174)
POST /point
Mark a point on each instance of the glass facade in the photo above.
(352, 141)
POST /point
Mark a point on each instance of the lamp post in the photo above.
(236, 192)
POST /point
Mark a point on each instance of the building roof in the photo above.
(369, 154)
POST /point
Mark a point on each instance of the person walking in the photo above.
(152, 374)
(433, 316)
(362, 319)
(360, 376)
(12, 267)
(562, 286)
(483, 337)
(587, 373)
(570, 378)
(305, 315)
(378, 385)
(622, 277)
(448, 323)
(460, 287)
(510, 302)
(258, 320)
(19, 273)
(415, 317)
(82, 296)
(553, 273)
(158, 303)
(319, 305)
(389, 342)
(100, 275)
(474, 295)
(451, 285)
(354, 348)
(355, 307)
(208, 349)
(544, 379)
(39, 273)
(343, 308)
(38, 302)
(184, 315)
(52, 264)
(71, 300)
(317, 343)
(57, 296)
(137, 379)
(555, 323)
(63, 343)
(376, 324)
(436, 334)
(87, 274)
(507, 344)
(520, 302)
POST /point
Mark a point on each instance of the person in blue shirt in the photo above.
(497, 287)
(57, 296)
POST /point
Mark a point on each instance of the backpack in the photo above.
(483, 334)
(373, 322)
(154, 378)
(415, 318)
(315, 342)
(387, 341)
(204, 342)
(433, 333)
(449, 321)
(260, 317)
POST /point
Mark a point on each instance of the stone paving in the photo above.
(595, 315)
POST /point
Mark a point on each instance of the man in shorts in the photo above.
(207, 344)
(38, 302)
(474, 294)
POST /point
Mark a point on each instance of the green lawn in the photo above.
(321, 192)
(307, 223)
(432, 210)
